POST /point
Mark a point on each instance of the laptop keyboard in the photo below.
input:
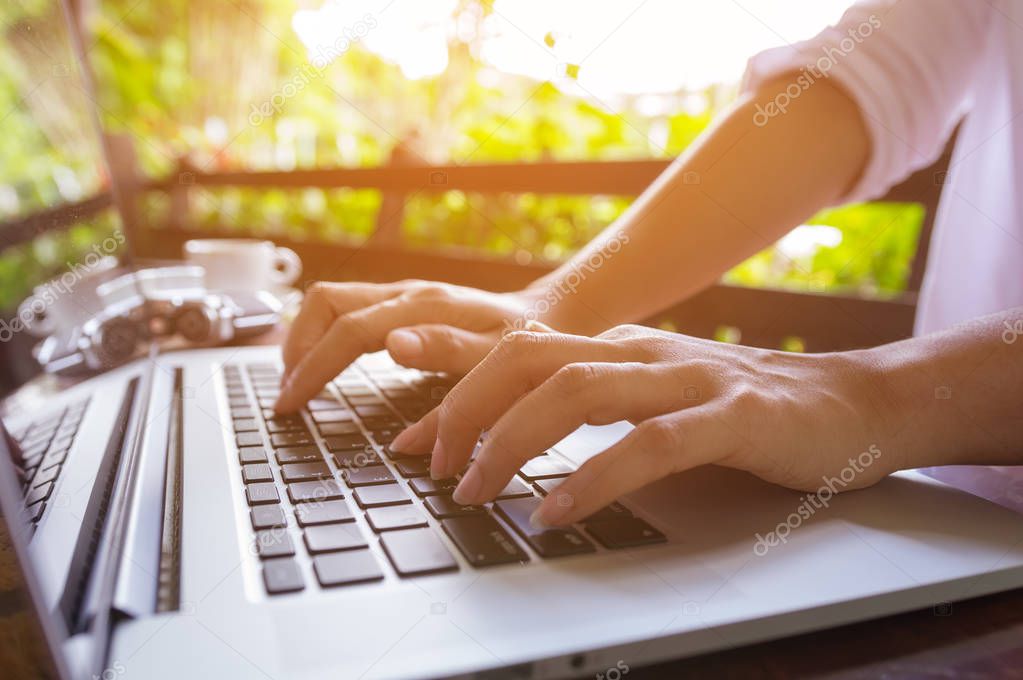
(319, 469)
(44, 445)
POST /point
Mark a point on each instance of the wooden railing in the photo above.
(759, 317)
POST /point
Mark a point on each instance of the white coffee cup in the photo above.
(243, 264)
(66, 301)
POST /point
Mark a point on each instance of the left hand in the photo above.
(791, 419)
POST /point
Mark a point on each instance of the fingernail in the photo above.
(439, 464)
(548, 516)
(536, 520)
(405, 344)
(469, 488)
(405, 438)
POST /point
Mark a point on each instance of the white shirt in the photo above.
(914, 67)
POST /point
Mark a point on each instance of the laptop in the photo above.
(167, 523)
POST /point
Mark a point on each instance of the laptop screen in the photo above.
(59, 226)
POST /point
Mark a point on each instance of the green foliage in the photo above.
(189, 78)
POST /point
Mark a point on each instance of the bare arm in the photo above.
(755, 183)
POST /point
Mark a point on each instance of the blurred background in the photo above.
(292, 85)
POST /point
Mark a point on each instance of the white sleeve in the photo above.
(907, 64)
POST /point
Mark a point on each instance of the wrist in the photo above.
(553, 303)
(909, 408)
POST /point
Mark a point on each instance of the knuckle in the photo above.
(573, 379)
(621, 332)
(428, 292)
(659, 435)
(744, 398)
(518, 342)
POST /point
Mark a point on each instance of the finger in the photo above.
(521, 361)
(439, 347)
(323, 303)
(654, 449)
(577, 394)
(364, 330)
(418, 438)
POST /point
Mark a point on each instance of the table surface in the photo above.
(981, 638)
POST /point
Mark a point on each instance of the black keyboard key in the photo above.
(515, 489)
(545, 486)
(262, 494)
(285, 424)
(245, 425)
(283, 439)
(282, 576)
(483, 541)
(417, 552)
(413, 466)
(546, 542)
(332, 429)
(624, 532)
(443, 507)
(333, 537)
(248, 439)
(346, 568)
(299, 454)
(613, 511)
(363, 399)
(378, 496)
(367, 476)
(356, 459)
(425, 486)
(374, 411)
(386, 436)
(382, 423)
(251, 454)
(327, 512)
(309, 492)
(39, 493)
(545, 467)
(267, 517)
(274, 543)
(359, 389)
(323, 404)
(303, 472)
(348, 442)
(257, 472)
(396, 517)
(34, 512)
(46, 475)
(336, 415)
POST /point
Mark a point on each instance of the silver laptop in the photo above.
(168, 524)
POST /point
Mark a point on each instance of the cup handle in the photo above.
(39, 325)
(287, 268)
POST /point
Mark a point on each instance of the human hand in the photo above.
(425, 325)
(791, 419)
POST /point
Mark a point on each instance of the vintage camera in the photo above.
(174, 317)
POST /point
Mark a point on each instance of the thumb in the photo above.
(437, 347)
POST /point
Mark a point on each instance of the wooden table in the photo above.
(978, 638)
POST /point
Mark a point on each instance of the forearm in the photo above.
(954, 397)
(736, 190)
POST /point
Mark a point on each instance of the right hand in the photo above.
(425, 325)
